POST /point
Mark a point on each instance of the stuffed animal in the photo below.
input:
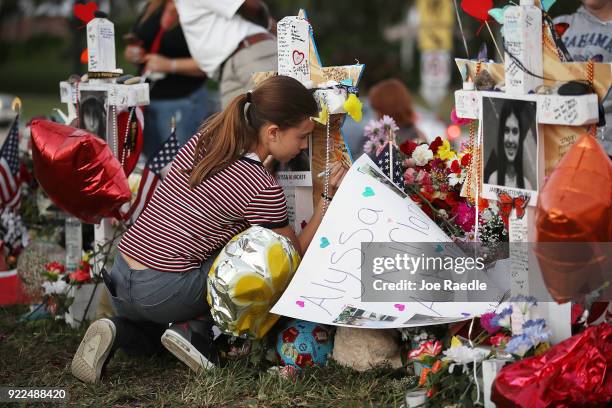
(364, 349)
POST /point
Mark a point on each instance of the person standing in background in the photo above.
(391, 97)
(230, 40)
(157, 45)
(589, 35)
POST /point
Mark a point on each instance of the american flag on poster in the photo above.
(10, 196)
(383, 161)
(152, 176)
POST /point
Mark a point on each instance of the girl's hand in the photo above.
(134, 54)
(337, 173)
(157, 63)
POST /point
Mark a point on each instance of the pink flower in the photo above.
(410, 176)
(465, 216)
(487, 324)
(424, 178)
(428, 349)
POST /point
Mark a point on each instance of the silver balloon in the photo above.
(247, 278)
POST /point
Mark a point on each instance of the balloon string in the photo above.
(501, 56)
(467, 53)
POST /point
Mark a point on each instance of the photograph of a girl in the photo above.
(510, 143)
(92, 108)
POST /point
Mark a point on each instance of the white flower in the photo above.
(58, 287)
(524, 304)
(422, 155)
(454, 178)
(465, 355)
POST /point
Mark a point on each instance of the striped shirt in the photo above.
(181, 227)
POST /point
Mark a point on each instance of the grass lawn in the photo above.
(38, 354)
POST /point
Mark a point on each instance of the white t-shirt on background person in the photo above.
(213, 30)
(586, 37)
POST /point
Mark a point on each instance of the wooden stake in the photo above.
(501, 56)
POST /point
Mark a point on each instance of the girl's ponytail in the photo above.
(224, 138)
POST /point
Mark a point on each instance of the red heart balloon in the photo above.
(85, 12)
(78, 171)
(479, 9)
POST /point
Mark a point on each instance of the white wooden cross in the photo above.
(561, 119)
(102, 74)
(299, 58)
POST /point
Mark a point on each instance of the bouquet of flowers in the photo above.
(515, 330)
(450, 375)
(57, 294)
(434, 175)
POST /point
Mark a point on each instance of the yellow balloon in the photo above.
(251, 288)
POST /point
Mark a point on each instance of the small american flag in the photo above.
(152, 176)
(10, 182)
(383, 161)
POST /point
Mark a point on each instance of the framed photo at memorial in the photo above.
(510, 144)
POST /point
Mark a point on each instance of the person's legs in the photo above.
(146, 301)
(191, 341)
(128, 330)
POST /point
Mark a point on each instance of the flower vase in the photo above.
(82, 294)
(416, 398)
(490, 368)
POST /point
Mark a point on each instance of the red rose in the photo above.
(499, 340)
(465, 160)
(455, 168)
(80, 276)
(408, 147)
(436, 144)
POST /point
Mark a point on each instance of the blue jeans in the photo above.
(189, 113)
(160, 297)
(147, 300)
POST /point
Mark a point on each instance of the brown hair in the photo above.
(226, 136)
(391, 97)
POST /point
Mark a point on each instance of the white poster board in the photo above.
(327, 286)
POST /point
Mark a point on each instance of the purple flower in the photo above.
(503, 318)
(388, 123)
(519, 345)
(536, 331)
(486, 321)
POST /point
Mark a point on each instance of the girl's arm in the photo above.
(302, 241)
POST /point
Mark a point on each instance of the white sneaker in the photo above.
(186, 351)
(93, 351)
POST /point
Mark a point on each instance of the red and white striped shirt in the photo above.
(181, 227)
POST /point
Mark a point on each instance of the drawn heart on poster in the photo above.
(85, 12)
(298, 57)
